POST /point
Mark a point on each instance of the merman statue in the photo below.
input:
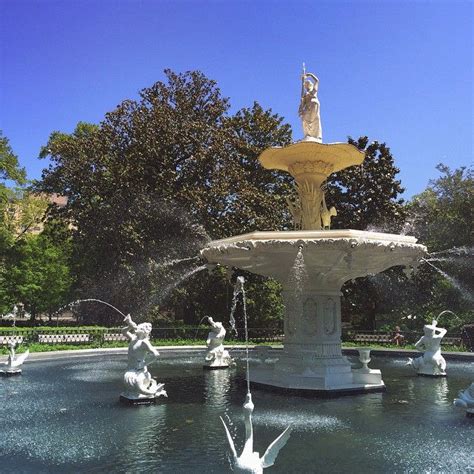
(13, 364)
(466, 400)
(140, 387)
(250, 462)
(216, 356)
(432, 363)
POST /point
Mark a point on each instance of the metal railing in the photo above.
(99, 336)
(410, 337)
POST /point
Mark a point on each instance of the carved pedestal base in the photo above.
(312, 357)
(138, 401)
(214, 367)
(426, 369)
(9, 373)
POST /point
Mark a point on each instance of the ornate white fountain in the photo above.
(312, 264)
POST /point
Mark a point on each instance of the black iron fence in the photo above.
(99, 336)
(408, 337)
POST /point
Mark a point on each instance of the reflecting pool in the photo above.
(64, 415)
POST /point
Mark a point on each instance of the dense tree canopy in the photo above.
(34, 269)
(367, 196)
(38, 274)
(159, 176)
(162, 174)
(442, 216)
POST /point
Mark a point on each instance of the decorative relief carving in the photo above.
(302, 167)
(330, 316)
(309, 317)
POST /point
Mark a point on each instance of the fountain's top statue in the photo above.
(310, 161)
(309, 109)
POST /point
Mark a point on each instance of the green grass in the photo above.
(37, 347)
(43, 347)
(374, 345)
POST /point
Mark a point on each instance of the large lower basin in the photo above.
(64, 415)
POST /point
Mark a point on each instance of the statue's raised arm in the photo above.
(129, 330)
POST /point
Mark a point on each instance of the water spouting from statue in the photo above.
(250, 461)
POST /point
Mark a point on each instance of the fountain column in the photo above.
(312, 357)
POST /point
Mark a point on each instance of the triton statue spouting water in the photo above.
(312, 358)
(216, 356)
(140, 387)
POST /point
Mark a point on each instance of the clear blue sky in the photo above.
(397, 71)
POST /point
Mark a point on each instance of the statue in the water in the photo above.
(13, 363)
(140, 387)
(432, 362)
(466, 400)
(250, 462)
(216, 356)
(309, 109)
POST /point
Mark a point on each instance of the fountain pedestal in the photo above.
(312, 356)
(312, 266)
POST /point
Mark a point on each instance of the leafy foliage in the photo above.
(38, 273)
(367, 196)
(443, 215)
(139, 183)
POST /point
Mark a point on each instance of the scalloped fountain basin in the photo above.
(312, 266)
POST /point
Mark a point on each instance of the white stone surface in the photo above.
(139, 385)
(249, 461)
(364, 375)
(13, 364)
(310, 163)
(465, 400)
(432, 362)
(312, 266)
(216, 355)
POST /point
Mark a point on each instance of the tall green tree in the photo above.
(11, 174)
(368, 196)
(442, 217)
(39, 273)
(159, 176)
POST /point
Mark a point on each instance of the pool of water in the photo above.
(64, 416)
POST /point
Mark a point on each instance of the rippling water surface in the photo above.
(65, 416)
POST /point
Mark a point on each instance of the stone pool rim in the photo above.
(115, 351)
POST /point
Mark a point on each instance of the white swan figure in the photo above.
(250, 462)
(13, 364)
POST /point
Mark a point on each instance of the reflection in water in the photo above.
(145, 426)
(440, 391)
(217, 387)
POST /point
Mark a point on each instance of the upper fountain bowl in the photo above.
(311, 161)
(330, 257)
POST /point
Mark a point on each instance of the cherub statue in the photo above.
(216, 356)
(139, 385)
(249, 461)
(466, 400)
(309, 109)
(432, 362)
(13, 364)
